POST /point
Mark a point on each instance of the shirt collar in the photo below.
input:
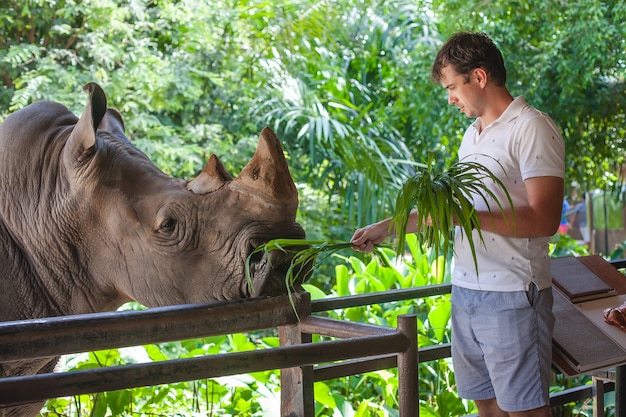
(513, 111)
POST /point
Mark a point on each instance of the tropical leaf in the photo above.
(442, 200)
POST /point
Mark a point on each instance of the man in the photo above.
(501, 317)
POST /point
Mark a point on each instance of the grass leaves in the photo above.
(443, 200)
(303, 260)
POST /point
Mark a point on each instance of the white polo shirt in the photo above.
(526, 143)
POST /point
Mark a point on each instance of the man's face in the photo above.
(467, 96)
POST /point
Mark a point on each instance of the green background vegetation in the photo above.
(345, 85)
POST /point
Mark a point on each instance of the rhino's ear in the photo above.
(113, 122)
(83, 136)
(212, 177)
(267, 173)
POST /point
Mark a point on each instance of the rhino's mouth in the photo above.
(270, 273)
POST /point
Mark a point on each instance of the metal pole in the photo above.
(620, 383)
(598, 397)
(296, 384)
(407, 368)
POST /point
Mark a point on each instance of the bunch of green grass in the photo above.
(302, 259)
(443, 200)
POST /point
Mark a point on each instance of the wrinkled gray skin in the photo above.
(88, 222)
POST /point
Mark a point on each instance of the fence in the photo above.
(42, 338)
(360, 348)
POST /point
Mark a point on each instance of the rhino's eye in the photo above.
(168, 226)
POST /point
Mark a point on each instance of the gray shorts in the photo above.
(502, 346)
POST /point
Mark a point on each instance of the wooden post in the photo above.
(598, 396)
(296, 384)
(407, 368)
(620, 383)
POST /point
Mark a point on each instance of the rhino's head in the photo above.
(161, 240)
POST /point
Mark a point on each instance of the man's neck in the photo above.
(499, 100)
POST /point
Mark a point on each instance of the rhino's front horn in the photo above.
(267, 173)
(212, 177)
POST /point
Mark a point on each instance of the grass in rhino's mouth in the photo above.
(304, 254)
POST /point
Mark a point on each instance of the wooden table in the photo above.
(582, 342)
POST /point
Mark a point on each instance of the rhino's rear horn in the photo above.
(267, 173)
(212, 177)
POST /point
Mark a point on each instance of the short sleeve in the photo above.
(542, 150)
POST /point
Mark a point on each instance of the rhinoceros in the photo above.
(88, 222)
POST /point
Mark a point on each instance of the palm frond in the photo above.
(443, 198)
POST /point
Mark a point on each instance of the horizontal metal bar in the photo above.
(27, 389)
(56, 336)
(577, 394)
(327, 304)
(359, 366)
(433, 353)
(353, 367)
(341, 328)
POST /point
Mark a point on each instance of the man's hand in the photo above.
(366, 237)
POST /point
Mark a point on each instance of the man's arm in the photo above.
(540, 218)
(366, 237)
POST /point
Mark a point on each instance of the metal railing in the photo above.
(41, 338)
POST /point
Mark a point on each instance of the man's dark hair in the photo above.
(466, 51)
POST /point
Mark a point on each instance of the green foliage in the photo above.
(304, 254)
(332, 96)
(241, 395)
(564, 245)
